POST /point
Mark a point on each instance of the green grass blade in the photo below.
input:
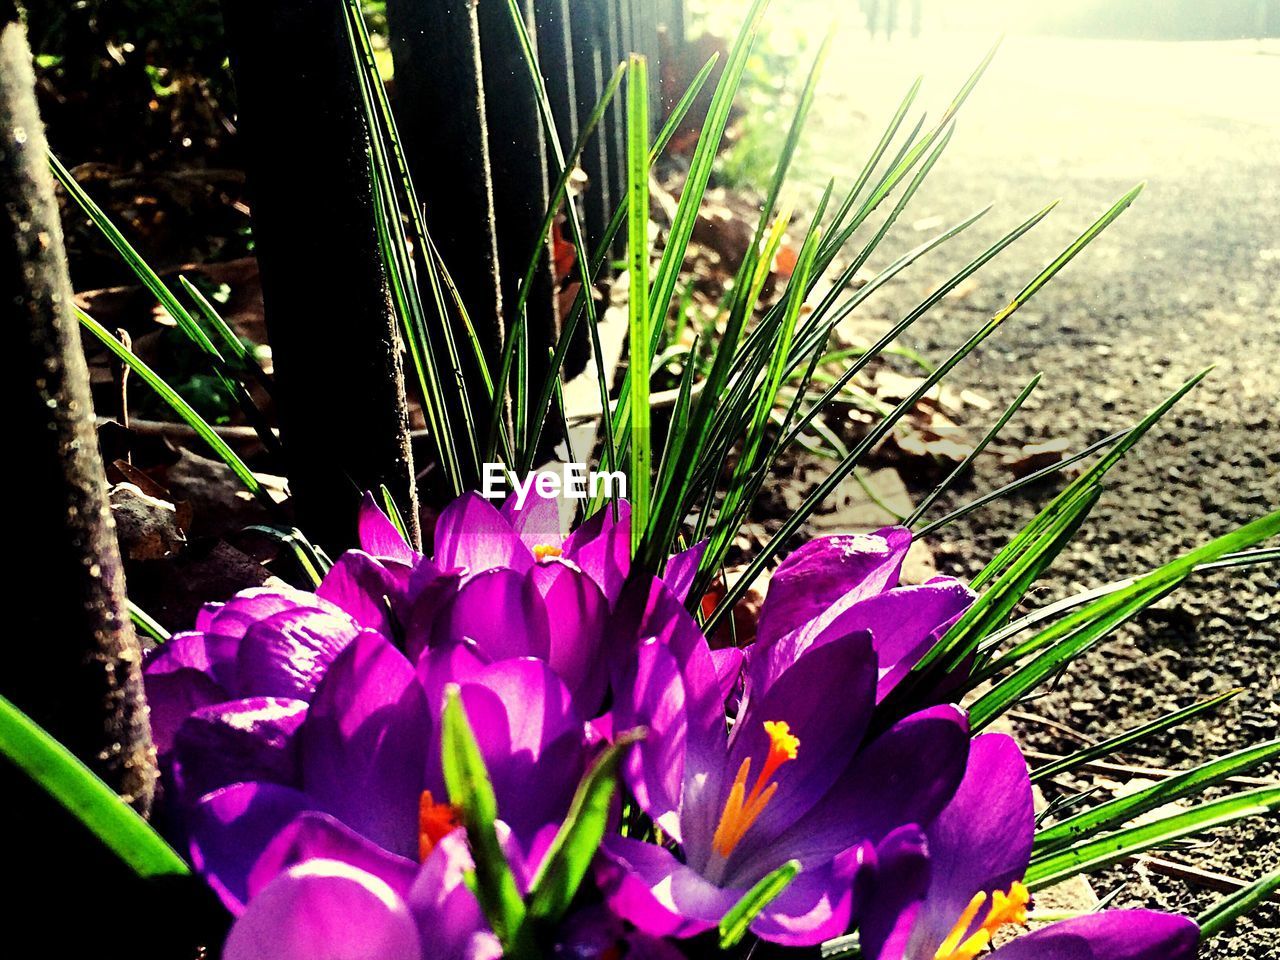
(1128, 738)
(179, 406)
(1121, 810)
(150, 279)
(793, 523)
(1230, 908)
(639, 317)
(1069, 637)
(471, 791)
(734, 925)
(569, 857)
(973, 454)
(148, 624)
(73, 785)
(1104, 851)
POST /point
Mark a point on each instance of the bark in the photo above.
(334, 338)
(73, 663)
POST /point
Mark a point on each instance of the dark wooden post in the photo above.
(555, 56)
(592, 70)
(615, 45)
(334, 338)
(440, 112)
(518, 153)
(73, 662)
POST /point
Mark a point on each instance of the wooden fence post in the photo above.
(440, 112)
(518, 153)
(334, 338)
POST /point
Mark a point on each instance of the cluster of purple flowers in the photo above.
(300, 743)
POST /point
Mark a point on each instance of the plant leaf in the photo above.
(733, 926)
(578, 838)
(61, 774)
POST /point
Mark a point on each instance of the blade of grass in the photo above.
(1121, 810)
(568, 858)
(471, 791)
(147, 623)
(639, 317)
(973, 454)
(734, 924)
(73, 785)
(797, 519)
(1104, 851)
(1227, 910)
(183, 409)
(1128, 738)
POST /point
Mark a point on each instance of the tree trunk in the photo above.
(334, 338)
(73, 662)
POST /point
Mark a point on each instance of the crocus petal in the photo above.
(427, 593)
(242, 740)
(982, 839)
(172, 695)
(209, 653)
(877, 792)
(815, 906)
(366, 588)
(903, 623)
(647, 886)
(379, 536)
(828, 570)
(449, 918)
(325, 910)
(254, 605)
(728, 663)
(318, 836)
(682, 567)
(601, 548)
(1109, 935)
(580, 643)
(364, 743)
(471, 534)
(805, 697)
(525, 723)
(286, 654)
(230, 828)
(654, 768)
(502, 611)
(537, 523)
(888, 912)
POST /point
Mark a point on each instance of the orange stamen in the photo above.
(742, 809)
(1005, 908)
(544, 551)
(435, 822)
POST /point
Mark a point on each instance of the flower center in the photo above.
(742, 808)
(545, 551)
(435, 822)
(1005, 908)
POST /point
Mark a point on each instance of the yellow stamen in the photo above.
(544, 551)
(742, 809)
(1005, 908)
(435, 822)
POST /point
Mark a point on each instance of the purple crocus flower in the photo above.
(365, 752)
(941, 893)
(834, 586)
(794, 780)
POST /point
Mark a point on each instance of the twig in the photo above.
(1052, 724)
(1203, 878)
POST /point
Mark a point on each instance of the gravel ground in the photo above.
(1189, 277)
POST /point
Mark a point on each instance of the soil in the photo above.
(1189, 277)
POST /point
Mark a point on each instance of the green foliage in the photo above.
(68, 781)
